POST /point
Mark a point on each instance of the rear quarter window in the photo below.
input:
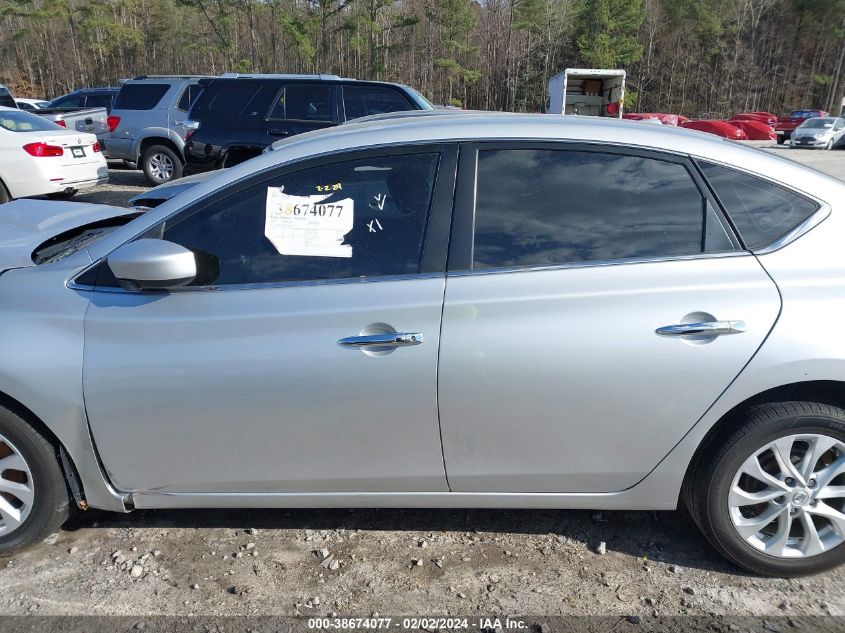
(6, 99)
(760, 210)
(140, 96)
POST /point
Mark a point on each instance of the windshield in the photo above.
(804, 114)
(19, 121)
(817, 123)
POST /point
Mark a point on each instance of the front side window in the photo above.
(99, 101)
(350, 219)
(361, 101)
(69, 101)
(761, 210)
(540, 207)
(304, 102)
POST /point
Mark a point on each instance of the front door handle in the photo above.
(389, 339)
(708, 328)
(278, 132)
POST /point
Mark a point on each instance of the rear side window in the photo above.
(355, 218)
(361, 101)
(761, 211)
(234, 98)
(140, 96)
(99, 101)
(68, 101)
(6, 99)
(189, 95)
(538, 207)
(304, 102)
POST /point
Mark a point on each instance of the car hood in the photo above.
(155, 196)
(27, 224)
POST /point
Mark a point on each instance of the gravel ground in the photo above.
(356, 563)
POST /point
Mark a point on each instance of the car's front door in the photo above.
(304, 355)
(569, 361)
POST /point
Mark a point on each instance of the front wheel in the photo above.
(34, 501)
(771, 497)
(781, 139)
(161, 164)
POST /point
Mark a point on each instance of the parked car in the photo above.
(719, 128)
(786, 125)
(38, 157)
(149, 124)
(366, 295)
(87, 98)
(763, 117)
(754, 130)
(31, 104)
(235, 118)
(819, 132)
(6, 99)
(89, 120)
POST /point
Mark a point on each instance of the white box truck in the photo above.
(588, 92)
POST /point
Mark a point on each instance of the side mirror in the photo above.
(149, 264)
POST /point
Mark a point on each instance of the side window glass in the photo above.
(761, 211)
(361, 101)
(304, 102)
(188, 95)
(357, 218)
(98, 101)
(547, 207)
(71, 101)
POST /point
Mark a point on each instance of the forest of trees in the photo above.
(705, 58)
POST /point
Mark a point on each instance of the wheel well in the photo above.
(149, 142)
(35, 422)
(831, 392)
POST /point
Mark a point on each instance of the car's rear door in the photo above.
(294, 362)
(574, 272)
(301, 107)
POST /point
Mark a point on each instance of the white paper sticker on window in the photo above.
(306, 225)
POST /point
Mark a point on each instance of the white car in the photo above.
(38, 157)
(32, 104)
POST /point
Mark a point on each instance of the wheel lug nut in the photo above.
(789, 481)
(812, 483)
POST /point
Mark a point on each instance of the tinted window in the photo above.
(304, 102)
(760, 210)
(140, 96)
(189, 95)
(234, 98)
(22, 105)
(68, 101)
(544, 207)
(6, 99)
(357, 218)
(99, 101)
(364, 100)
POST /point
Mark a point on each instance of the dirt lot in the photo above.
(398, 562)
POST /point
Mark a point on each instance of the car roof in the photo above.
(304, 77)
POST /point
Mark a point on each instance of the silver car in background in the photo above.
(480, 310)
(819, 133)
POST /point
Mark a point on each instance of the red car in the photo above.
(754, 130)
(764, 117)
(664, 118)
(719, 128)
(786, 124)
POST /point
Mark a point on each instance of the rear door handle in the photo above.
(389, 339)
(708, 328)
(278, 132)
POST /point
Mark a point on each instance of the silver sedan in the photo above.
(456, 311)
(819, 133)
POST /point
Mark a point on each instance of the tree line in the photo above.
(706, 58)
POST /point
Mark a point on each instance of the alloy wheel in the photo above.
(17, 488)
(161, 167)
(787, 498)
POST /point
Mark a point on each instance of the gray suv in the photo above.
(147, 124)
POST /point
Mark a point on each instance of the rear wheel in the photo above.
(4, 194)
(161, 164)
(781, 139)
(62, 195)
(34, 501)
(771, 497)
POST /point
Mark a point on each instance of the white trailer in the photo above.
(588, 92)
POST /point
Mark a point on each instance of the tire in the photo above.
(781, 139)
(4, 194)
(62, 195)
(792, 550)
(829, 145)
(49, 507)
(161, 164)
